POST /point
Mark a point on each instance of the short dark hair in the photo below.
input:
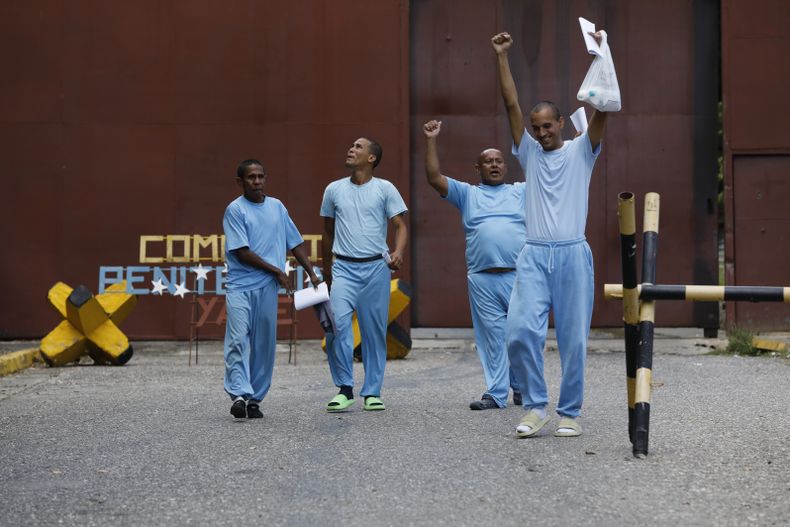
(542, 105)
(375, 149)
(247, 163)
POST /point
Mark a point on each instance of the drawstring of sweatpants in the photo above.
(553, 245)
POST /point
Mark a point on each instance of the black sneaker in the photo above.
(485, 403)
(239, 408)
(517, 398)
(253, 411)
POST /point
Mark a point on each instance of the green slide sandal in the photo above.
(373, 404)
(339, 403)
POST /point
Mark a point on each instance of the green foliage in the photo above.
(740, 342)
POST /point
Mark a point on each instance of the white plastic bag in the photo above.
(600, 88)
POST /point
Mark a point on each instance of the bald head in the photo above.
(488, 152)
(491, 167)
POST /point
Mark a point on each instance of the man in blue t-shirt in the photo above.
(555, 268)
(357, 263)
(492, 214)
(258, 230)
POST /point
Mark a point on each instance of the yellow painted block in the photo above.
(398, 342)
(116, 302)
(63, 344)
(84, 311)
(58, 294)
(18, 360)
(400, 296)
(768, 345)
(109, 345)
(90, 325)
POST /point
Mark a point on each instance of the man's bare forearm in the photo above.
(435, 177)
(304, 261)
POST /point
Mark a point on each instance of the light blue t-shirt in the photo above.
(267, 229)
(361, 213)
(557, 187)
(493, 220)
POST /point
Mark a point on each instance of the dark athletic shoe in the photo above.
(239, 408)
(254, 411)
(517, 398)
(485, 403)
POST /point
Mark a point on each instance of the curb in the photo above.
(18, 360)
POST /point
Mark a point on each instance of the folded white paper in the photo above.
(579, 119)
(588, 27)
(310, 296)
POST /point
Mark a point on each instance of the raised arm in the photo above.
(598, 120)
(435, 177)
(596, 128)
(327, 241)
(502, 43)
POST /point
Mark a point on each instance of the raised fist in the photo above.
(432, 128)
(501, 42)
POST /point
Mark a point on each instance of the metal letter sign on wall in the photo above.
(180, 280)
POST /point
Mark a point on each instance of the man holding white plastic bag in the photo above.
(555, 268)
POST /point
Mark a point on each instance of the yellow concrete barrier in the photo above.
(91, 325)
(18, 360)
(398, 339)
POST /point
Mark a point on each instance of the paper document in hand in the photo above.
(588, 27)
(579, 119)
(310, 296)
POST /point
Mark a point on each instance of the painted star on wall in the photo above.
(201, 272)
(159, 287)
(289, 267)
(225, 269)
(181, 290)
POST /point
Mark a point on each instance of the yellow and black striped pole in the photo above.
(627, 220)
(703, 293)
(644, 358)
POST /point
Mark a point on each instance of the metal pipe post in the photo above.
(644, 359)
(627, 221)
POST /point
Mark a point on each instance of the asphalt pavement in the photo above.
(153, 443)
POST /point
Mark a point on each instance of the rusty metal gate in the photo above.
(120, 120)
(755, 45)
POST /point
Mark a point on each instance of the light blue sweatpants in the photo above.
(558, 276)
(489, 296)
(364, 288)
(250, 340)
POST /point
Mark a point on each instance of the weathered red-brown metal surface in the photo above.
(756, 74)
(762, 235)
(664, 140)
(121, 119)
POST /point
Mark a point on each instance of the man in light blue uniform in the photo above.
(356, 211)
(258, 230)
(555, 268)
(493, 218)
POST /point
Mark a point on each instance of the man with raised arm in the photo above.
(492, 214)
(555, 267)
(356, 212)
